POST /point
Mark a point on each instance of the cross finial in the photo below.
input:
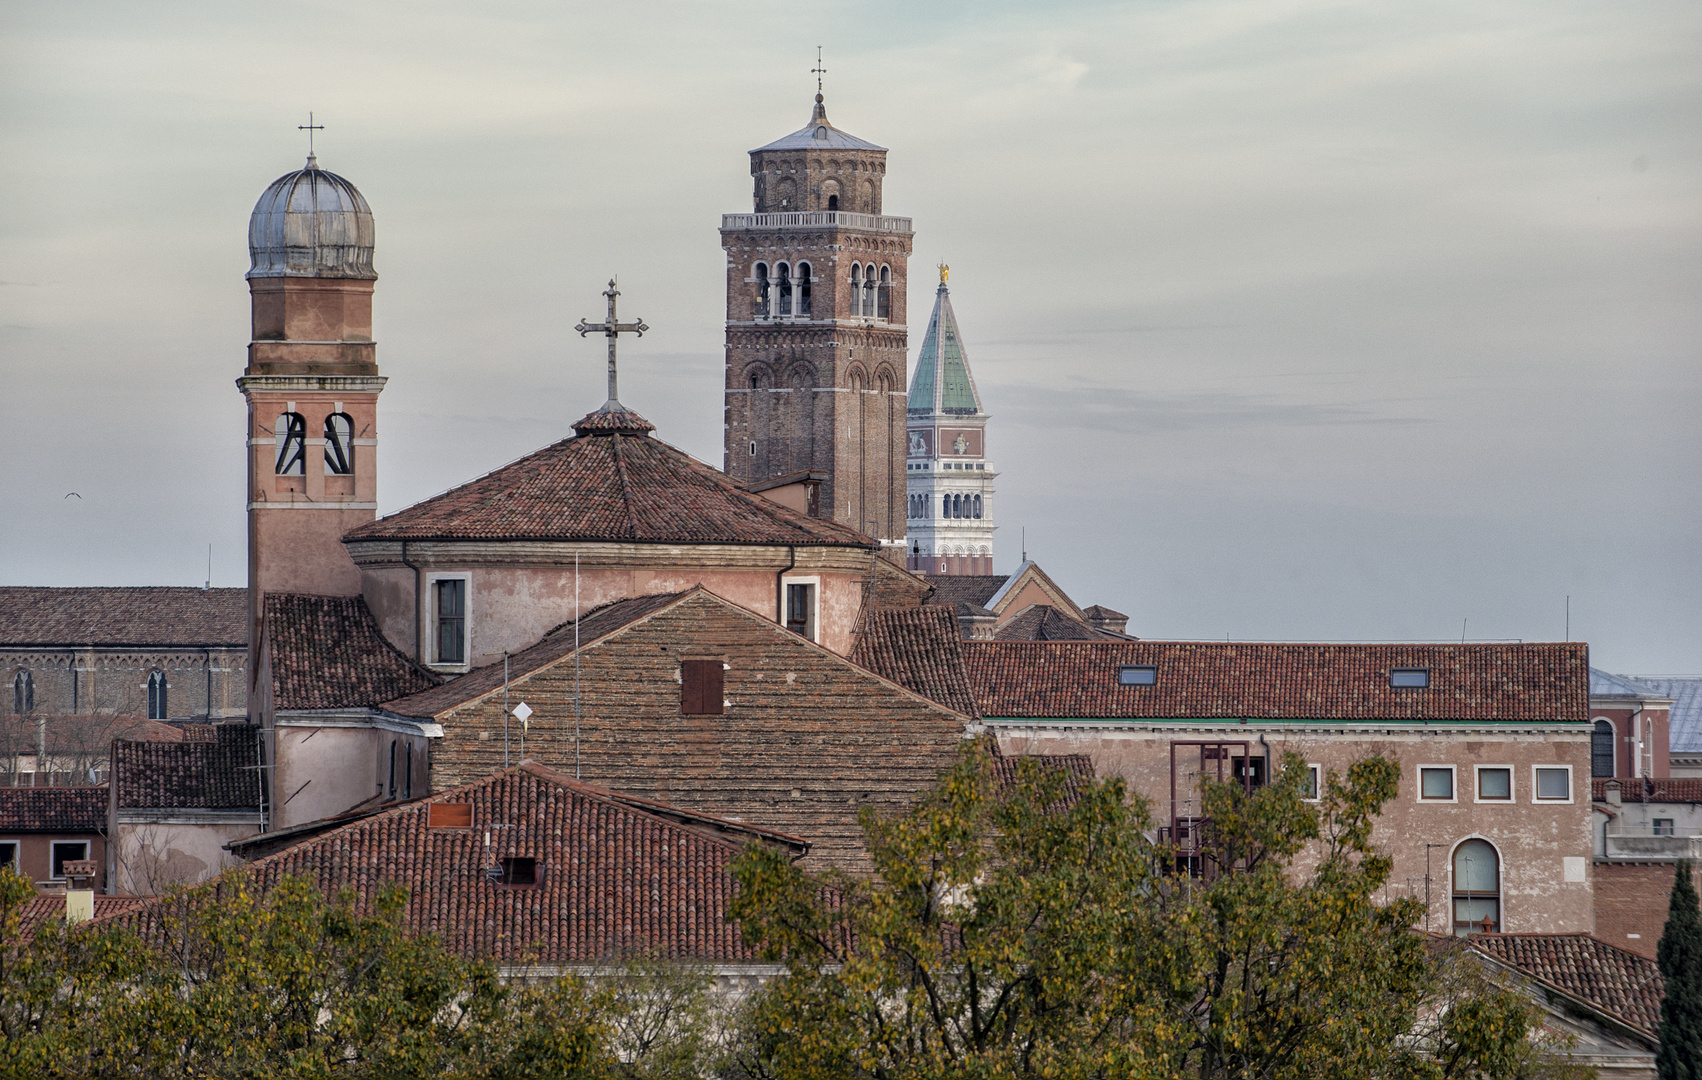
(818, 71)
(612, 329)
(310, 127)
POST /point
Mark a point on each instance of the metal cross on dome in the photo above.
(612, 328)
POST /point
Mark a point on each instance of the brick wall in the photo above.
(1631, 903)
(806, 742)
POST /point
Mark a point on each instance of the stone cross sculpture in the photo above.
(612, 328)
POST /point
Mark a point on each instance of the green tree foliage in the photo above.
(1680, 956)
(1023, 935)
(288, 985)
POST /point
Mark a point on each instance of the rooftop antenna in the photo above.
(505, 708)
(310, 127)
(1568, 616)
(209, 585)
(1025, 543)
(818, 71)
(576, 665)
(1462, 631)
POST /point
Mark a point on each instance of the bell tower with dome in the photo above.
(816, 338)
(312, 386)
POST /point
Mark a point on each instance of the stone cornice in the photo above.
(602, 555)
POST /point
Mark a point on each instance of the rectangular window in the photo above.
(1313, 784)
(1494, 783)
(701, 687)
(1409, 678)
(449, 815)
(1664, 826)
(450, 600)
(67, 851)
(1553, 783)
(1436, 783)
(800, 604)
(1137, 675)
(9, 853)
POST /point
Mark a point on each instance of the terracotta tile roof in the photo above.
(596, 625)
(1612, 979)
(152, 615)
(623, 487)
(1042, 622)
(920, 649)
(53, 809)
(50, 907)
(219, 775)
(974, 589)
(1077, 769)
(327, 652)
(1327, 682)
(616, 876)
(1632, 789)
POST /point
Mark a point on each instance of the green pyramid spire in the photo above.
(942, 382)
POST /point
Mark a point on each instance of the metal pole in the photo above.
(505, 708)
(576, 630)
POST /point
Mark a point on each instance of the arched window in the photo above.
(1477, 888)
(156, 695)
(869, 290)
(803, 289)
(291, 434)
(856, 290)
(883, 296)
(408, 771)
(762, 290)
(392, 768)
(1601, 748)
(23, 692)
(957, 506)
(783, 283)
(833, 202)
(945, 506)
(339, 445)
(978, 507)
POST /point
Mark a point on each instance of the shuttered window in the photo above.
(700, 688)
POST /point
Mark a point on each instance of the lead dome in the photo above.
(311, 223)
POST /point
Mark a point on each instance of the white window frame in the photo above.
(1316, 771)
(1571, 787)
(814, 582)
(1500, 880)
(17, 847)
(429, 630)
(53, 856)
(1454, 783)
(1512, 785)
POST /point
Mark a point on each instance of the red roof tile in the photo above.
(50, 907)
(53, 809)
(1614, 980)
(617, 876)
(327, 652)
(219, 775)
(1633, 789)
(1208, 680)
(620, 487)
(974, 589)
(920, 649)
(152, 615)
(1042, 622)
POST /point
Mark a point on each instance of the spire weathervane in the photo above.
(818, 71)
(310, 127)
(612, 329)
(945, 273)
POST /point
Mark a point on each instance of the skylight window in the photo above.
(1137, 675)
(1409, 678)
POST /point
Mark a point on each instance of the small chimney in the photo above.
(1611, 792)
(1103, 618)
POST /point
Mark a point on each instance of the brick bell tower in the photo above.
(312, 386)
(816, 341)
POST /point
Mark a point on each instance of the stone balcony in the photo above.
(1644, 844)
(817, 219)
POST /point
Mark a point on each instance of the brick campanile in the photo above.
(816, 342)
(312, 386)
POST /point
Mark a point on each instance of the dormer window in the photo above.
(1409, 678)
(1137, 675)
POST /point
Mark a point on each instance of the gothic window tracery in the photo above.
(156, 695)
(339, 445)
(23, 692)
(290, 433)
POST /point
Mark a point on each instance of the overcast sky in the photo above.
(1297, 319)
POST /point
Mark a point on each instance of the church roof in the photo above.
(819, 134)
(144, 615)
(920, 649)
(942, 383)
(603, 485)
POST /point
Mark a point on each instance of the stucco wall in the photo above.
(324, 770)
(149, 857)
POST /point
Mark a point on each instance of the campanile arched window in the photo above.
(290, 433)
(883, 295)
(1477, 888)
(1601, 748)
(783, 285)
(762, 298)
(804, 289)
(869, 290)
(339, 445)
(977, 507)
(856, 290)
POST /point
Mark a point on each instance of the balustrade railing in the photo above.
(817, 219)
